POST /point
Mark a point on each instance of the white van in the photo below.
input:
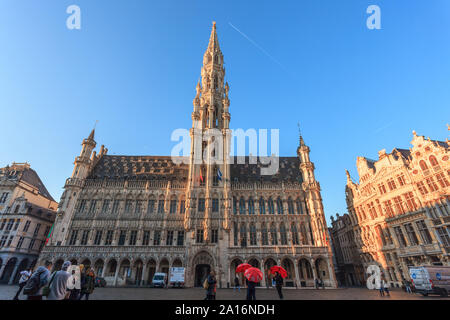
(176, 278)
(431, 279)
(159, 280)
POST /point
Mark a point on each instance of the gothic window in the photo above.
(116, 206)
(401, 179)
(199, 237)
(433, 161)
(182, 206)
(303, 235)
(36, 230)
(98, 237)
(201, 204)
(251, 206)
(242, 206)
(262, 206)
(400, 236)
(84, 237)
(410, 202)
(173, 206)
(243, 235)
(180, 238)
(128, 205)
(105, 206)
(146, 238)
(235, 205)
(151, 206)
(215, 205)
(442, 180)
(279, 206)
(264, 235)
(273, 235)
(431, 184)
(252, 235)
(73, 237)
(161, 206)
(423, 165)
(138, 207)
(214, 236)
(157, 238)
(391, 184)
(299, 206)
(17, 209)
(82, 206)
(283, 235)
(421, 186)
(423, 231)
(290, 206)
(169, 238)
(109, 237)
(133, 237)
(270, 205)
(122, 237)
(444, 235)
(411, 234)
(294, 234)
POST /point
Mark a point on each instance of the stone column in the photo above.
(297, 276)
(143, 275)
(103, 270)
(313, 267)
(263, 281)
(116, 274)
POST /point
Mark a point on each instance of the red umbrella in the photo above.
(242, 267)
(253, 274)
(280, 270)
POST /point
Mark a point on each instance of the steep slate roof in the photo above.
(163, 168)
(27, 175)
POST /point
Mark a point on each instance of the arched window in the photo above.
(242, 206)
(283, 235)
(270, 205)
(251, 206)
(235, 205)
(279, 206)
(433, 161)
(273, 235)
(262, 206)
(303, 236)
(264, 235)
(294, 234)
(236, 234)
(299, 206)
(252, 235)
(423, 165)
(290, 206)
(243, 235)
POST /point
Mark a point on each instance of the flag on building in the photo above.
(219, 175)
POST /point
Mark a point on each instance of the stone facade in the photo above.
(132, 216)
(399, 212)
(27, 212)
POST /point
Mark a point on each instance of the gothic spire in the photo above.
(213, 44)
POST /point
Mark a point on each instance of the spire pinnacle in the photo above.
(302, 143)
(213, 44)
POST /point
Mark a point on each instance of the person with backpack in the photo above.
(57, 286)
(279, 284)
(210, 284)
(24, 276)
(89, 284)
(33, 288)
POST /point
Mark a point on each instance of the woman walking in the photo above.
(89, 284)
(211, 290)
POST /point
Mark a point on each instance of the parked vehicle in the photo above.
(176, 279)
(100, 282)
(431, 279)
(159, 280)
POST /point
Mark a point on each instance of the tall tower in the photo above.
(210, 136)
(66, 208)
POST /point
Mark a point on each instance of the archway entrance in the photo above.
(202, 265)
(9, 268)
(201, 272)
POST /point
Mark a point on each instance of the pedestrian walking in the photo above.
(322, 283)
(89, 284)
(316, 283)
(408, 286)
(211, 286)
(33, 288)
(237, 284)
(381, 288)
(279, 284)
(386, 287)
(251, 290)
(57, 286)
(24, 276)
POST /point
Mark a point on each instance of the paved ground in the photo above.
(7, 292)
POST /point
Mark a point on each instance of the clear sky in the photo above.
(134, 65)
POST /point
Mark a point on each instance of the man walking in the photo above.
(33, 288)
(279, 284)
(24, 276)
(237, 285)
(58, 283)
(251, 290)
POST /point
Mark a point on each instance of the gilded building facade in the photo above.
(399, 212)
(132, 216)
(27, 212)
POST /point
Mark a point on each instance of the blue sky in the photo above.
(134, 66)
